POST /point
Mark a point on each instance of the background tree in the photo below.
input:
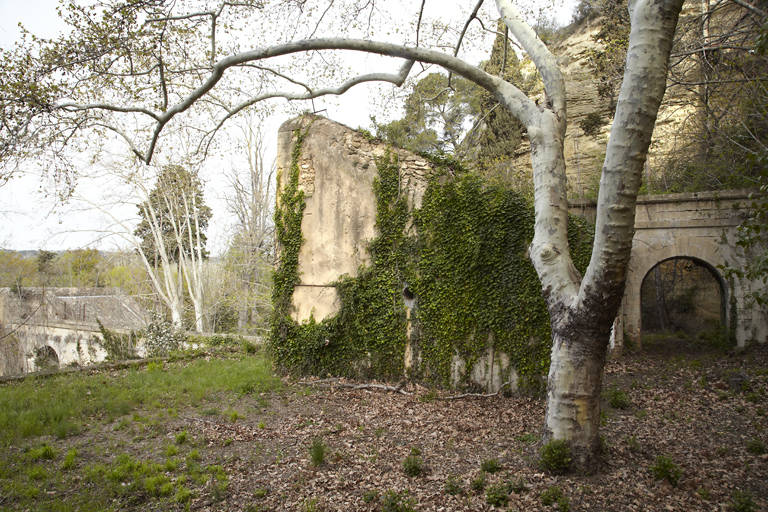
(172, 231)
(436, 113)
(149, 64)
(250, 255)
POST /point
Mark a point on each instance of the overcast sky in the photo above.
(30, 216)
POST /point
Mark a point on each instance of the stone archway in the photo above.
(45, 358)
(702, 227)
(683, 295)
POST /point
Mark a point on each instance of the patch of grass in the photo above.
(317, 452)
(53, 406)
(69, 459)
(44, 451)
(490, 466)
(183, 495)
(182, 437)
(665, 468)
(37, 473)
(555, 456)
(527, 438)
(171, 450)
(413, 465)
(370, 495)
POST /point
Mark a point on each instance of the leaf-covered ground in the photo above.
(705, 412)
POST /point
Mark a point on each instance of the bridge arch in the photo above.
(679, 293)
(46, 357)
(700, 226)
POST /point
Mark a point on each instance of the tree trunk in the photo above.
(582, 319)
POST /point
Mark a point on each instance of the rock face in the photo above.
(584, 154)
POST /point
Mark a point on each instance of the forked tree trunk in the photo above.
(582, 311)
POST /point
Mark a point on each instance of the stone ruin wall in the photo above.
(336, 172)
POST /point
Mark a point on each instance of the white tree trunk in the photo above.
(581, 321)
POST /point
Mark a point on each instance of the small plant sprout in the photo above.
(550, 496)
(497, 495)
(413, 465)
(490, 466)
(756, 446)
(742, 501)
(394, 501)
(317, 452)
(555, 456)
(478, 484)
(665, 468)
(453, 486)
(182, 437)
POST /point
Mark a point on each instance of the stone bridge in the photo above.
(698, 226)
(58, 326)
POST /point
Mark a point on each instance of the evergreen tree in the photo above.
(180, 214)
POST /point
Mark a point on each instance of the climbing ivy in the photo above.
(463, 256)
(476, 286)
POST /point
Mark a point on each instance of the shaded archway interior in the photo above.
(683, 295)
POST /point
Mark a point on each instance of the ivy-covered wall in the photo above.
(447, 296)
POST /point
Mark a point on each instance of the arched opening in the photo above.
(46, 357)
(683, 299)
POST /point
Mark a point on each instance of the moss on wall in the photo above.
(463, 256)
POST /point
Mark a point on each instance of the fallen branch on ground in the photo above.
(325, 384)
(476, 395)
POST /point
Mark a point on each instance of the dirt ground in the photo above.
(705, 411)
(681, 406)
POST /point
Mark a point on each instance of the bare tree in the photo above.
(135, 64)
(250, 254)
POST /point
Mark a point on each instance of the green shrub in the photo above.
(616, 398)
(371, 495)
(490, 466)
(517, 486)
(394, 501)
(756, 446)
(555, 456)
(665, 468)
(317, 452)
(551, 495)
(742, 501)
(478, 484)
(497, 495)
(412, 465)
(453, 486)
